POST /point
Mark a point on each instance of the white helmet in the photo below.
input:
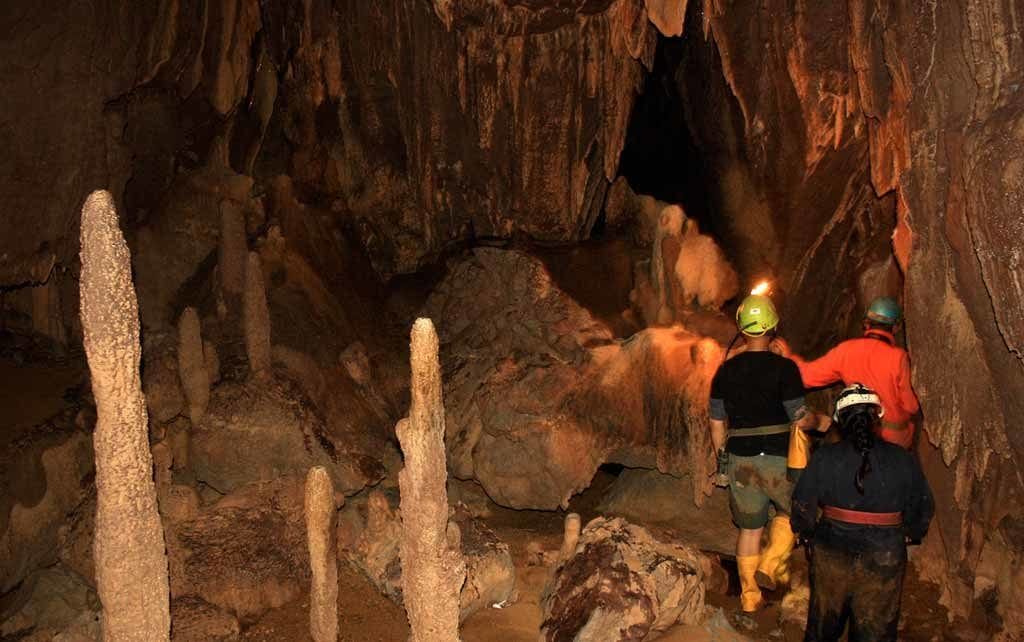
(854, 395)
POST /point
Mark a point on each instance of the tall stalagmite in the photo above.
(257, 318)
(432, 571)
(192, 368)
(323, 557)
(131, 563)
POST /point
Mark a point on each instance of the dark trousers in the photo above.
(862, 588)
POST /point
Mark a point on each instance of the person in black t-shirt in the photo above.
(755, 396)
(873, 497)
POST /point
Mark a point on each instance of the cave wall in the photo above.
(857, 124)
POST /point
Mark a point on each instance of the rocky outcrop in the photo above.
(45, 480)
(131, 565)
(539, 395)
(372, 543)
(245, 554)
(622, 584)
(262, 430)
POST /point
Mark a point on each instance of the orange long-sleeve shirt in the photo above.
(877, 362)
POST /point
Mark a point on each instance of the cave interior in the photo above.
(578, 194)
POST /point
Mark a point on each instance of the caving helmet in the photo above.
(756, 315)
(855, 395)
(884, 310)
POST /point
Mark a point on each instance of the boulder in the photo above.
(622, 584)
(198, 621)
(262, 430)
(539, 394)
(372, 544)
(649, 497)
(245, 554)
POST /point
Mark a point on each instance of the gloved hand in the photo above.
(722, 474)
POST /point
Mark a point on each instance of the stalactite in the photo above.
(323, 557)
(257, 318)
(131, 565)
(432, 570)
(192, 370)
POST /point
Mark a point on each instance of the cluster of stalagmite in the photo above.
(131, 565)
(323, 556)
(192, 367)
(256, 318)
(432, 568)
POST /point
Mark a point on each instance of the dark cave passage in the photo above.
(660, 157)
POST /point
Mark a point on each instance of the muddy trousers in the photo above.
(859, 588)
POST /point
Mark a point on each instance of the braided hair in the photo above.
(857, 424)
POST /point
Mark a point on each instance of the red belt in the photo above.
(861, 517)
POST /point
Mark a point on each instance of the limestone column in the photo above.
(256, 318)
(432, 570)
(323, 557)
(195, 380)
(131, 563)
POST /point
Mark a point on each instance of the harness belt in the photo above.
(759, 431)
(862, 517)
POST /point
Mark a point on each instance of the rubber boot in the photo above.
(774, 567)
(750, 592)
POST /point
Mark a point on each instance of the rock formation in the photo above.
(261, 430)
(323, 556)
(256, 318)
(570, 537)
(195, 380)
(539, 403)
(373, 546)
(131, 566)
(232, 252)
(622, 584)
(432, 572)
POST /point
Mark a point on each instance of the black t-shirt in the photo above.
(757, 389)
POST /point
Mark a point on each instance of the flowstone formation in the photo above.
(131, 566)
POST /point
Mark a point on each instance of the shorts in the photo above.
(755, 483)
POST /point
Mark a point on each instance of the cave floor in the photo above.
(365, 615)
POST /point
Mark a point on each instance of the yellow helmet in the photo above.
(756, 315)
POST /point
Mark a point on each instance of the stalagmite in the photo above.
(323, 557)
(131, 565)
(257, 318)
(571, 537)
(232, 251)
(432, 571)
(195, 380)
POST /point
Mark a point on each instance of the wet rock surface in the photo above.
(622, 584)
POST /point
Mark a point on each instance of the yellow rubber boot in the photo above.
(750, 592)
(774, 567)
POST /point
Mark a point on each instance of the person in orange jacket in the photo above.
(874, 360)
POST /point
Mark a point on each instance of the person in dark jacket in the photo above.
(873, 498)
